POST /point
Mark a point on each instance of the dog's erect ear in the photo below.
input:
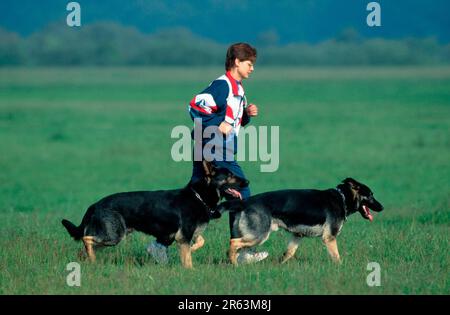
(209, 168)
(352, 183)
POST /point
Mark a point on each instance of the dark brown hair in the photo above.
(241, 51)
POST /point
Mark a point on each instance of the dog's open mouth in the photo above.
(233, 192)
(366, 213)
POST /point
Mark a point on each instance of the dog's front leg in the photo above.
(331, 244)
(292, 248)
(198, 243)
(185, 254)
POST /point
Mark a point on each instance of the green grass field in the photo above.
(71, 136)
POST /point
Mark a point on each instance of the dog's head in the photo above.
(223, 180)
(362, 198)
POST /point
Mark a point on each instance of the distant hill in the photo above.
(225, 21)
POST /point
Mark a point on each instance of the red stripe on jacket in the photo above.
(201, 109)
(234, 85)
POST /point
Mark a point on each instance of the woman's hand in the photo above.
(252, 110)
(225, 128)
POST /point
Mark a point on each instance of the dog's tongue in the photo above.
(234, 193)
(368, 214)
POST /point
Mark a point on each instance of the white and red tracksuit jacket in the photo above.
(223, 100)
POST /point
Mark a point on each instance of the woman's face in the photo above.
(244, 68)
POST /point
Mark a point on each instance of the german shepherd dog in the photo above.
(170, 215)
(302, 212)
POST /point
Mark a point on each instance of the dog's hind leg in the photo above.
(291, 249)
(185, 254)
(89, 246)
(198, 243)
(238, 243)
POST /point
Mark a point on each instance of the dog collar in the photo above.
(197, 195)
(343, 201)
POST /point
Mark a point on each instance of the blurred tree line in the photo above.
(113, 45)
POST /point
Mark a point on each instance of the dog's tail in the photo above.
(75, 231)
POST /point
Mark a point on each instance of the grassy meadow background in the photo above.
(70, 136)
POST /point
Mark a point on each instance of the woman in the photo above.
(222, 108)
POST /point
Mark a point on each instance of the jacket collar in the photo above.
(234, 83)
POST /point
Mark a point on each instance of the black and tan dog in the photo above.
(302, 212)
(170, 215)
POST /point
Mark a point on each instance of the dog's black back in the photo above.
(290, 207)
(165, 214)
(303, 212)
(157, 213)
(298, 206)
